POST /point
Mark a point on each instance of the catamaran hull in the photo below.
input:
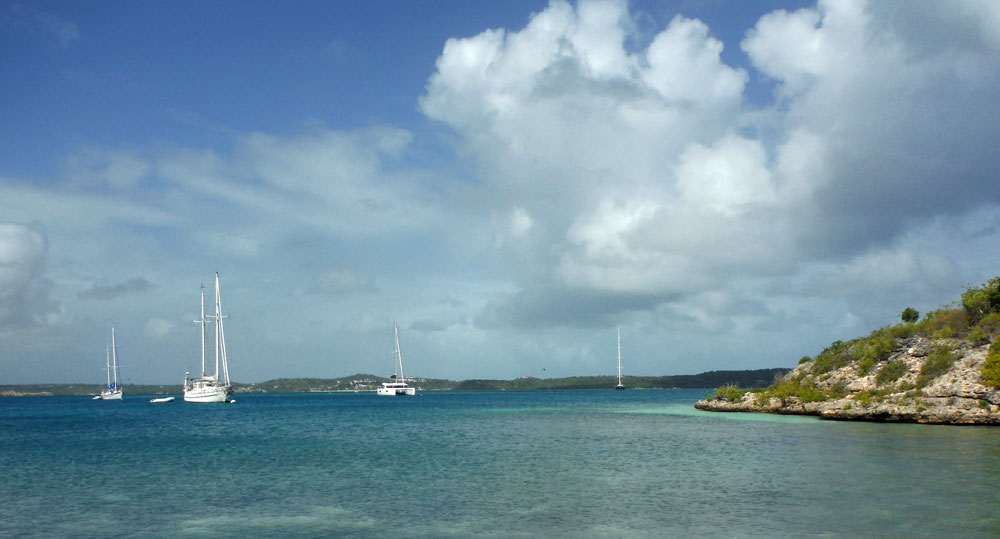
(213, 394)
(393, 391)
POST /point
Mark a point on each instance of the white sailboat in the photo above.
(398, 385)
(111, 391)
(619, 386)
(214, 387)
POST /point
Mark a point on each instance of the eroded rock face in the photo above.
(956, 396)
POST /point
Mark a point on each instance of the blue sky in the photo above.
(734, 184)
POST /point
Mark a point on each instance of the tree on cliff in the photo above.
(979, 301)
(910, 315)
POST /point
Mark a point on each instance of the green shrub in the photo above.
(902, 331)
(832, 357)
(890, 372)
(937, 363)
(991, 367)
(805, 359)
(943, 323)
(976, 335)
(803, 389)
(729, 393)
(871, 395)
(910, 315)
(979, 301)
(990, 324)
(865, 366)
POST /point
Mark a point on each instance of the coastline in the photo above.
(956, 396)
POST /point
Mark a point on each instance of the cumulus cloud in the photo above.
(24, 290)
(644, 172)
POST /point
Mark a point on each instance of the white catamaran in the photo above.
(619, 386)
(209, 387)
(111, 391)
(398, 384)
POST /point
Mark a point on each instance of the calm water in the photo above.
(497, 464)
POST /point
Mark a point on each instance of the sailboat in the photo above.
(111, 391)
(213, 387)
(397, 385)
(619, 386)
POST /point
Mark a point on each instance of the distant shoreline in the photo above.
(368, 382)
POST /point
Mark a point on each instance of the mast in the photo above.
(218, 326)
(202, 322)
(114, 357)
(619, 356)
(399, 354)
(107, 365)
(220, 335)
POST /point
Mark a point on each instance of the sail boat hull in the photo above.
(395, 389)
(208, 394)
(113, 396)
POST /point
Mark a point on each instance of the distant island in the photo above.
(942, 369)
(368, 382)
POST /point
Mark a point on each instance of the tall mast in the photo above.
(619, 356)
(202, 322)
(220, 335)
(218, 325)
(107, 364)
(399, 354)
(114, 356)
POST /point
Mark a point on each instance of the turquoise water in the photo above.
(494, 464)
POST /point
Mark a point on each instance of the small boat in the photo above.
(619, 386)
(214, 387)
(111, 391)
(398, 385)
(162, 399)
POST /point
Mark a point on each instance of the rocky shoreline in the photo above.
(853, 392)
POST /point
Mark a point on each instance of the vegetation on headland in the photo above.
(944, 336)
(368, 382)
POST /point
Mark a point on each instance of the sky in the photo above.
(733, 184)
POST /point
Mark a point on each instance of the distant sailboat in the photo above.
(209, 387)
(398, 384)
(619, 386)
(111, 391)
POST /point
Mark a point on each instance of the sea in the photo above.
(567, 463)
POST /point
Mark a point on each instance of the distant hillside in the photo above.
(752, 378)
(368, 382)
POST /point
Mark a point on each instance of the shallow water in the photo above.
(496, 464)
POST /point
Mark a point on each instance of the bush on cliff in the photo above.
(937, 363)
(890, 372)
(991, 367)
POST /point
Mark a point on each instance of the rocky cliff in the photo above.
(920, 380)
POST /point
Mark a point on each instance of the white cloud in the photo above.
(643, 175)
(24, 291)
(158, 328)
(727, 177)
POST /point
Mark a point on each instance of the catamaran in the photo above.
(619, 386)
(111, 391)
(209, 387)
(397, 385)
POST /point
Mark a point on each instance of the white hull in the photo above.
(115, 396)
(393, 391)
(162, 399)
(208, 394)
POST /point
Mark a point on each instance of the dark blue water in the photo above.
(500, 464)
